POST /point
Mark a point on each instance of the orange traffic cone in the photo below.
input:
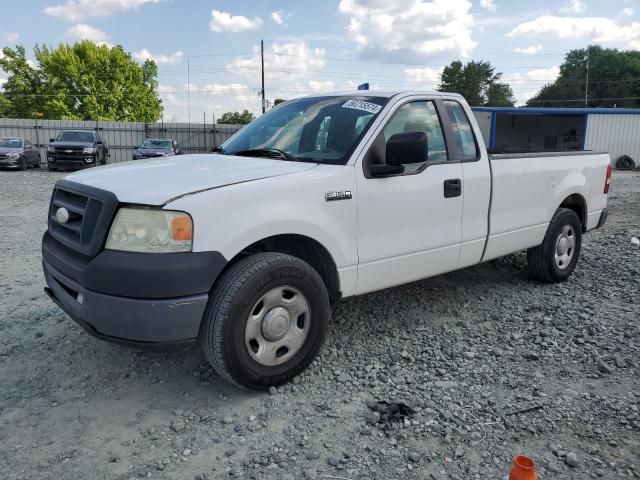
(524, 468)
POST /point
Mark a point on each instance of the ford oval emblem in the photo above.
(62, 215)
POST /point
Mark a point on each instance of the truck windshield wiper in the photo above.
(265, 152)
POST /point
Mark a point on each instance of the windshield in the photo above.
(83, 137)
(318, 129)
(10, 142)
(159, 144)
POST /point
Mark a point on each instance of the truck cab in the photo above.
(323, 197)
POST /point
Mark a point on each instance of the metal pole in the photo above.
(204, 129)
(586, 87)
(189, 103)
(213, 115)
(262, 60)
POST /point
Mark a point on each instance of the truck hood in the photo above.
(71, 144)
(160, 180)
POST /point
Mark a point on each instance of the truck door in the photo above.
(409, 224)
(469, 150)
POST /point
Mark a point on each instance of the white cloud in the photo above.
(225, 22)
(225, 88)
(190, 87)
(428, 77)
(278, 17)
(573, 6)
(10, 37)
(82, 31)
(531, 50)
(489, 5)
(596, 29)
(628, 12)
(76, 10)
(160, 59)
(281, 61)
(321, 86)
(409, 27)
(526, 85)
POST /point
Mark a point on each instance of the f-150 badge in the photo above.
(342, 195)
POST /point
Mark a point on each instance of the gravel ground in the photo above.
(493, 364)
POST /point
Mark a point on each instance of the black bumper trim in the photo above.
(603, 218)
(136, 275)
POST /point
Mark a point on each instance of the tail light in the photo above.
(607, 181)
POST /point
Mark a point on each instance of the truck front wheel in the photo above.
(266, 320)
(555, 259)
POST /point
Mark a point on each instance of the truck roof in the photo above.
(387, 93)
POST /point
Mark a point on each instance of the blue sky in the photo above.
(326, 45)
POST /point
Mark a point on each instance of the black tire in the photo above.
(23, 164)
(625, 162)
(222, 333)
(52, 169)
(541, 259)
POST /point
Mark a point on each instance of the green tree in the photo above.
(83, 81)
(478, 83)
(237, 118)
(614, 80)
(5, 106)
(278, 101)
(24, 88)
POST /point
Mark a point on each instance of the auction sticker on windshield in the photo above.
(360, 105)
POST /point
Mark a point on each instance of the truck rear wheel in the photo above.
(266, 320)
(555, 259)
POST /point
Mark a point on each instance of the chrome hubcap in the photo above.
(565, 247)
(277, 326)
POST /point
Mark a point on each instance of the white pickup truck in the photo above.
(323, 197)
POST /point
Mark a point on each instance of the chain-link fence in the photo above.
(122, 138)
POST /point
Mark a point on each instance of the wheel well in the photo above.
(304, 248)
(577, 203)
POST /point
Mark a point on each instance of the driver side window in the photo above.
(419, 116)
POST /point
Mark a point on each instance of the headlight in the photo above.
(51, 149)
(87, 150)
(14, 155)
(150, 231)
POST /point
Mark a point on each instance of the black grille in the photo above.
(90, 211)
(69, 151)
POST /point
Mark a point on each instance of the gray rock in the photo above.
(227, 420)
(178, 425)
(229, 452)
(414, 457)
(372, 417)
(312, 455)
(273, 391)
(333, 461)
(571, 459)
(459, 451)
(603, 367)
(620, 361)
(310, 474)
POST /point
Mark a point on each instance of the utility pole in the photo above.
(586, 87)
(189, 103)
(262, 60)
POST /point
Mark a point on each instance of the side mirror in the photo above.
(99, 142)
(52, 140)
(403, 148)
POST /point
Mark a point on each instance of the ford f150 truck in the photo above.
(323, 197)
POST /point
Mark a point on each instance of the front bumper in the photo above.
(148, 301)
(10, 163)
(69, 164)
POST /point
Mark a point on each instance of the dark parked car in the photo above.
(76, 149)
(16, 152)
(157, 147)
